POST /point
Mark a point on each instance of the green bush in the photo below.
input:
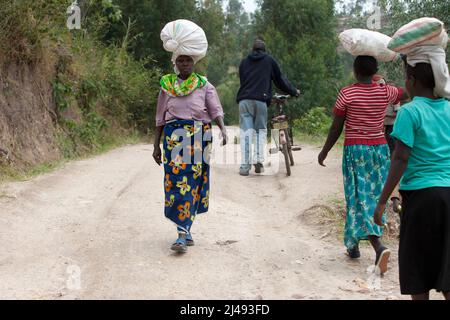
(111, 93)
(25, 28)
(85, 135)
(316, 121)
(61, 93)
(101, 92)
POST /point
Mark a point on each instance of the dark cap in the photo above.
(259, 45)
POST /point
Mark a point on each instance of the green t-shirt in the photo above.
(424, 126)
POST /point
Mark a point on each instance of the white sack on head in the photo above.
(434, 55)
(362, 42)
(184, 37)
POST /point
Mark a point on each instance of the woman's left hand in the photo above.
(378, 215)
(224, 136)
(321, 158)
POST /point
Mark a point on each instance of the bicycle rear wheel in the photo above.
(289, 147)
(286, 158)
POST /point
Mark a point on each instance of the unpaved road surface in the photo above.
(95, 229)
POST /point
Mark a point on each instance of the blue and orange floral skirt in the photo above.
(187, 148)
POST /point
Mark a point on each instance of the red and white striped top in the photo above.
(364, 107)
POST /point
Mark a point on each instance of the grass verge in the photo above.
(330, 217)
(10, 174)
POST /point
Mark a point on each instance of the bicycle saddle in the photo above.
(281, 118)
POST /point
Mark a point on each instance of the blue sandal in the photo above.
(189, 241)
(180, 245)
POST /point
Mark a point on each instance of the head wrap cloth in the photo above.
(184, 38)
(433, 53)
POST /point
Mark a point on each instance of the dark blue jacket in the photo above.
(256, 73)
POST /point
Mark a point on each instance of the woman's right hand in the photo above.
(224, 137)
(157, 154)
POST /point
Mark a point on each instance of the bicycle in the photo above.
(285, 143)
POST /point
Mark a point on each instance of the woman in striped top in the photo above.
(361, 109)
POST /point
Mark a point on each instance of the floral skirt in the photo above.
(365, 170)
(187, 145)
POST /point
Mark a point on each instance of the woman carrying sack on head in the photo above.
(360, 108)
(422, 161)
(187, 104)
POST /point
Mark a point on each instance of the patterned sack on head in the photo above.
(362, 42)
(423, 31)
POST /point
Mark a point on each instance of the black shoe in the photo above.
(354, 253)
(259, 168)
(244, 172)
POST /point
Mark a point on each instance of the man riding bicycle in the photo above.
(256, 73)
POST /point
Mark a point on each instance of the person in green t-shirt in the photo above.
(422, 161)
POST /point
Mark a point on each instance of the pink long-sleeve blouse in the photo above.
(202, 105)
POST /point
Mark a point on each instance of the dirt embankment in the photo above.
(27, 109)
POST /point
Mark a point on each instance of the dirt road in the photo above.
(95, 230)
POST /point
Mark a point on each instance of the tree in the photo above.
(400, 12)
(301, 34)
(233, 43)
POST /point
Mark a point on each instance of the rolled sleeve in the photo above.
(161, 109)
(213, 104)
(404, 128)
(340, 108)
(394, 94)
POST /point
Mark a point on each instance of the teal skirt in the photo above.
(365, 170)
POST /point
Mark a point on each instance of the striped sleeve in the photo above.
(394, 94)
(340, 108)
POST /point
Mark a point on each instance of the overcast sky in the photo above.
(250, 5)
